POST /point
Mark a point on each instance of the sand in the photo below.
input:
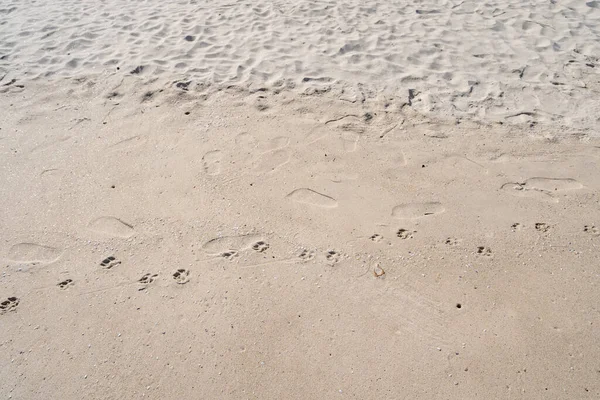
(299, 200)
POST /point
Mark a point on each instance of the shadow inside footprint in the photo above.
(110, 262)
(181, 276)
(65, 284)
(9, 304)
(260, 247)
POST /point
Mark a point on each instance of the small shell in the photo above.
(378, 272)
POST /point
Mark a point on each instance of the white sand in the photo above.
(305, 200)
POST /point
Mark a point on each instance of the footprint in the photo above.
(306, 255)
(592, 230)
(110, 262)
(405, 234)
(309, 196)
(211, 162)
(376, 237)
(220, 245)
(417, 210)
(33, 253)
(181, 276)
(276, 143)
(9, 304)
(147, 279)
(516, 226)
(111, 226)
(541, 188)
(260, 246)
(230, 255)
(65, 284)
(542, 227)
(350, 140)
(484, 251)
(271, 160)
(332, 256)
(378, 272)
(451, 241)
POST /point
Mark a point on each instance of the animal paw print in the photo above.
(261, 246)
(9, 304)
(181, 276)
(378, 272)
(516, 226)
(451, 241)
(592, 230)
(542, 227)
(230, 255)
(306, 255)
(65, 284)
(484, 251)
(332, 256)
(110, 262)
(147, 279)
(376, 237)
(405, 234)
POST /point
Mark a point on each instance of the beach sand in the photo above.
(299, 200)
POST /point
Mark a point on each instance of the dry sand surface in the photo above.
(299, 199)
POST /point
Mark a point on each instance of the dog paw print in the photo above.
(592, 230)
(230, 255)
(405, 233)
(110, 262)
(65, 284)
(181, 276)
(451, 241)
(260, 247)
(306, 255)
(9, 304)
(147, 279)
(542, 227)
(332, 256)
(484, 251)
(376, 238)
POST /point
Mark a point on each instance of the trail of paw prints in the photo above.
(65, 284)
(484, 251)
(146, 279)
(9, 304)
(405, 233)
(542, 227)
(260, 246)
(181, 276)
(110, 262)
(592, 230)
(332, 256)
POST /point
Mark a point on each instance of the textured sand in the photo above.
(299, 200)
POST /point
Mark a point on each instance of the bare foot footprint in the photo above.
(9, 304)
(181, 276)
(65, 284)
(110, 262)
(311, 197)
(211, 162)
(260, 247)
